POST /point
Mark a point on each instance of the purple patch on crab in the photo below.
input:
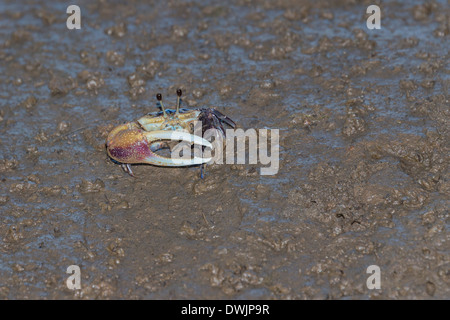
(119, 153)
(134, 153)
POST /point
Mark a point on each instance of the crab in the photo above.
(137, 142)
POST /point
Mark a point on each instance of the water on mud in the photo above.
(364, 150)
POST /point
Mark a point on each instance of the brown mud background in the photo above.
(364, 150)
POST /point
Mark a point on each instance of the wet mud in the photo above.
(364, 150)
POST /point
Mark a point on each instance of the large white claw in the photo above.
(177, 136)
(174, 161)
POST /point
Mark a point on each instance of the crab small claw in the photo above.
(130, 144)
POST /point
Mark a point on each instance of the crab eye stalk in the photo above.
(159, 98)
(179, 93)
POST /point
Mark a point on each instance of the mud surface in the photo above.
(364, 150)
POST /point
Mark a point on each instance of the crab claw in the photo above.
(129, 144)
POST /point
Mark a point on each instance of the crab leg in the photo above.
(224, 118)
(127, 168)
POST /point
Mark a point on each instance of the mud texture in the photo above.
(364, 150)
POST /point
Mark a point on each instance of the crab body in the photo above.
(137, 141)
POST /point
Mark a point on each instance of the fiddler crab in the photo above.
(138, 141)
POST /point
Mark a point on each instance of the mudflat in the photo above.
(363, 119)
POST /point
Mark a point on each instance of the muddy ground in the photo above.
(364, 150)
